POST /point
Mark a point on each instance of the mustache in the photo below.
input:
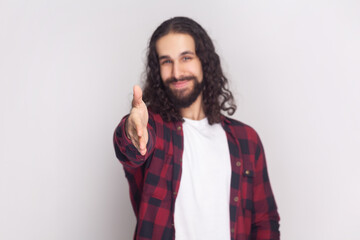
(187, 78)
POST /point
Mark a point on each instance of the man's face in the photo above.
(180, 68)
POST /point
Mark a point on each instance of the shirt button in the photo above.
(247, 172)
(238, 164)
(232, 230)
(174, 193)
(179, 128)
(236, 199)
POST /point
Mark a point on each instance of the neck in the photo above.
(195, 111)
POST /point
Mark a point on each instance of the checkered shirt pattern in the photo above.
(154, 180)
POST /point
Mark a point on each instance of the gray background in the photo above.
(67, 69)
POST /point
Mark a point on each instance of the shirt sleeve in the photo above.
(265, 222)
(126, 152)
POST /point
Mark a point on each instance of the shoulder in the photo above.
(248, 139)
(156, 121)
(155, 117)
(240, 129)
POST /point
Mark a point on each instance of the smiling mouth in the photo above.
(180, 84)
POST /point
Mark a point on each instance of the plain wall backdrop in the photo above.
(66, 74)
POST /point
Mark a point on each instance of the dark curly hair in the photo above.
(216, 95)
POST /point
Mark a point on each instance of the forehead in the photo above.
(173, 44)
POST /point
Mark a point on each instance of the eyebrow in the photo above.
(181, 54)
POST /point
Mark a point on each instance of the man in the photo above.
(193, 173)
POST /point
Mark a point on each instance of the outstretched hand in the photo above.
(136, 124)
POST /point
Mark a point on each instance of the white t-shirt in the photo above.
(202, 205)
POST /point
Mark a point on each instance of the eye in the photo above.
(166, 62)
(186, 58)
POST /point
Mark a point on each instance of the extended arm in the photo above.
(134, 138)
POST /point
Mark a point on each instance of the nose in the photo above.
(177, 70)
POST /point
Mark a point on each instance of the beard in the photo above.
(179, 97)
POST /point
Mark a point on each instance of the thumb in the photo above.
(137, 96)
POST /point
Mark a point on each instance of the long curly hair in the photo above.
(216, 95)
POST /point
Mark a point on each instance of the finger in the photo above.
(137, 96)
(138, 127)
(136, 141)
(136, 144)
(139, 145)
(140, 132)
(143, 152)
(142, 147)
(142, 143)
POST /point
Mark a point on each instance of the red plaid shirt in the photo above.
(154, 180)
